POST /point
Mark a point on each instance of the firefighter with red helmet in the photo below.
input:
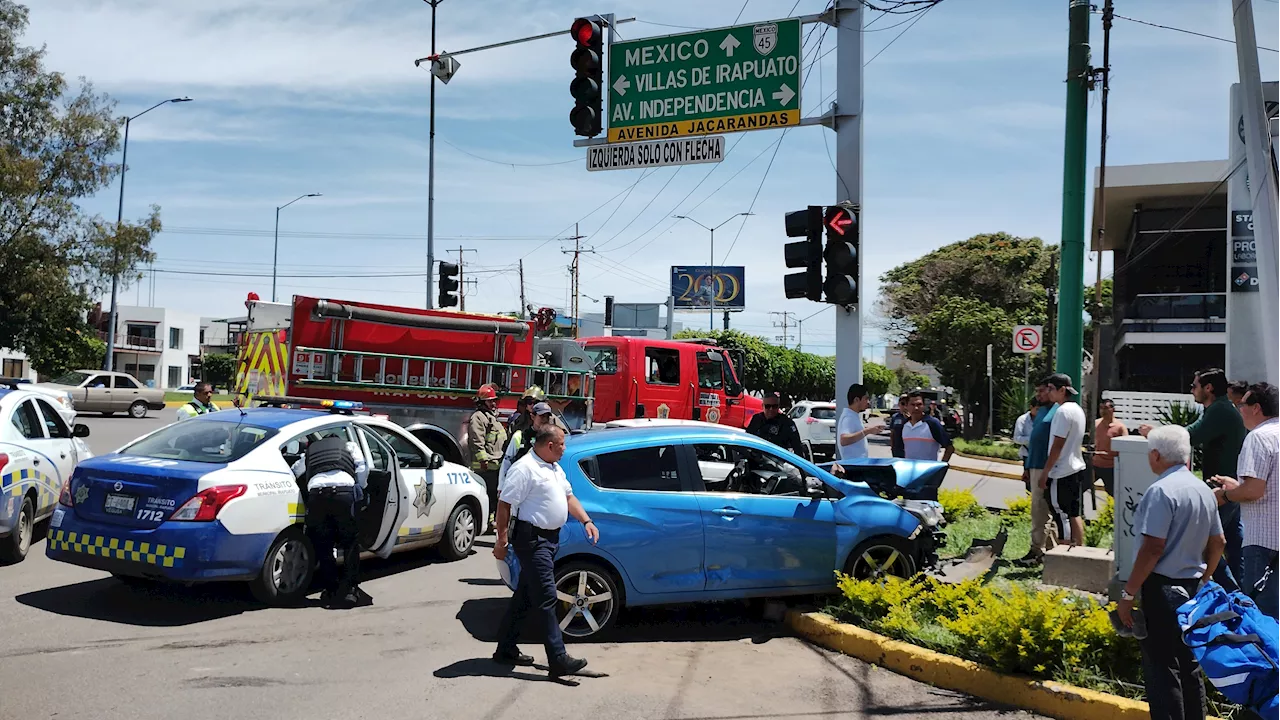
(486, 439)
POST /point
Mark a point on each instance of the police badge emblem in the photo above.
(765, 38)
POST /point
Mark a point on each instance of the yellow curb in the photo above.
(1042, 696)
(1006, 461)
(988, 473)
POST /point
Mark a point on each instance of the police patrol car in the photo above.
(39, 448)
(213, 499)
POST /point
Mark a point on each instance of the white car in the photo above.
(213, 499)
(39, 448)
(816, 422)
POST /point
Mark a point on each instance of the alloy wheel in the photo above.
(289, 566)
(464, 531)
(586, 603)
(879, 561)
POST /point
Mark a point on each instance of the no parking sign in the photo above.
(1028, 339)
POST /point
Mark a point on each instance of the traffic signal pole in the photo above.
(431, 171)
(848, 126)
(1070, 344)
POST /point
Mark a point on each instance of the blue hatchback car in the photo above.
(693, 514)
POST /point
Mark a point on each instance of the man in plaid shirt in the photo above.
(1259, 497)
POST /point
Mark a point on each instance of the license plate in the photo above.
(120, 504)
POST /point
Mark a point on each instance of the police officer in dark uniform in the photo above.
(335, 474)
(774, 426)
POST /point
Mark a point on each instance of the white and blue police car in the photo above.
(213, 498)
(39, 448)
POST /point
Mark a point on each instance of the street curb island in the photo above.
(1046, 697)
(989, 458)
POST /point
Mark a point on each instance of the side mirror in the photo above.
(639, 410)
(697, 413)
(436, 462)
(814, 488)
(293, 447)
(80, 430)
(714, 356)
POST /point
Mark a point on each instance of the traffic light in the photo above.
(448, 284)
(805, 254)
(841, 254)
(588, 82)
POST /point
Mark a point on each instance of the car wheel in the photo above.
(588, 600)
(808, 452)
(138, 410)
(459, 533)
(13, 549)
(879, 557)
(286, 571)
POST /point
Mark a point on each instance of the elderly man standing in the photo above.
(1182, 542)
(1258, 495)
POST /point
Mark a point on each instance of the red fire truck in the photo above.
(422, 368)
(682, 379)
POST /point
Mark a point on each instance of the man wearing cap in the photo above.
(1066, 476)
(776, 427)
(522, 440)
(485, 438)
(523, 419)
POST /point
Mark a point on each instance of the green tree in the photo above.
(909, 380)
(950, 304)
(55, 147)
(218, 368)
(73, 348)
(877, 377)
(771, 368)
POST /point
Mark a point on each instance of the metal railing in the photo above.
(413, 373)
(141, 342)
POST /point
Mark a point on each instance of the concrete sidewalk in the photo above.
(987, 466)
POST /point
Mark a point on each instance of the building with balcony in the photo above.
(1167, 226)
(160, 347)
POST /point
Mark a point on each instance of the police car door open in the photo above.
(390, 489)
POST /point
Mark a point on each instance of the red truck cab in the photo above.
(642, 377)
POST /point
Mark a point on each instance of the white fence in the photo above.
(1136, 408)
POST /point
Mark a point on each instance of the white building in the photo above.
(160, 347)
(14, 364)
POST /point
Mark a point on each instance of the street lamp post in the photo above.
(712, 230)
(275, 250)
(109, 362)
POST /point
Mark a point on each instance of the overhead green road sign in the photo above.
(711, 81)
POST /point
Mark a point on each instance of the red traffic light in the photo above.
(585, 31)
(839, 220)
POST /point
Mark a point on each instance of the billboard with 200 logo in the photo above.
(693, 287)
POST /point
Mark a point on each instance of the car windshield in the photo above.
(824, 413)
(71, 378)
(206, 442)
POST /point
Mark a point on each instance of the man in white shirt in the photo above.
(1022, 430)
(851, 436)
(336, 475)
(543, 499)
(521, 441)
(1066, 477)
(923, 435)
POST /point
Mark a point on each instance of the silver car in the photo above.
(107, 392)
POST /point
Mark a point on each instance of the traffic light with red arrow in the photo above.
(588, 82)
(841, 255)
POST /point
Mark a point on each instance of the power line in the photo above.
(584, 217)
(904, 32)
(1188, 32)
(244, 232)
(503, 162)
(742, 10)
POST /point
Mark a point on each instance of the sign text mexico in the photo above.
(711, 81)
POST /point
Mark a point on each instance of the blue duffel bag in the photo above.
(1237, 646)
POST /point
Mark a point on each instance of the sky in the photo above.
(963, 134)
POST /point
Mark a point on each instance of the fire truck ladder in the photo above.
(443, 376)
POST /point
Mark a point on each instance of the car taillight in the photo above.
(205, 505)
(809, 421)
(64, 496)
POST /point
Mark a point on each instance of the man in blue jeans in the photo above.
(1257, 493)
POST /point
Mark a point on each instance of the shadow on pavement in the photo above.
(484, 667)
(481, 581)
(668, 623)
(149, 605)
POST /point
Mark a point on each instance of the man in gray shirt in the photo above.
(1182, 542)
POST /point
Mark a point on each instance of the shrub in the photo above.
(960, 504)
(1100, 532)
(1019, 507)
(1046, 634)
(986, 448)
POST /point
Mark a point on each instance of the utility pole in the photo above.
(847, 122)
(1094, 399)
(786, 321)
(1051, 297)
(523, 305)
(573, 270)
(1261, 182)
(431, 181)
(462, 283)
(1071, 279)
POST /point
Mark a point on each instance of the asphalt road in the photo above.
(78, 643)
